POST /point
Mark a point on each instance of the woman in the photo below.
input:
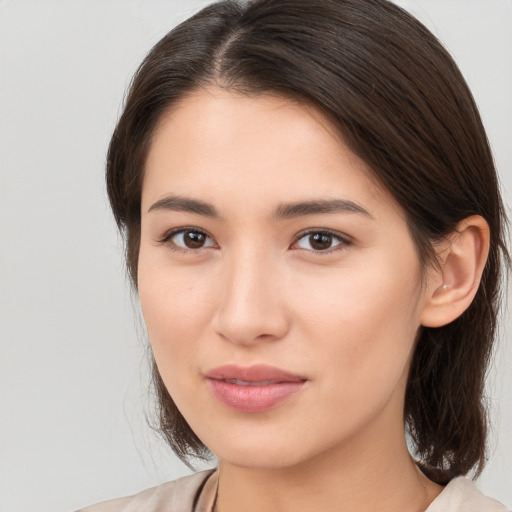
(314, 227)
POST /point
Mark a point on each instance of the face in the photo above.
(280, 287)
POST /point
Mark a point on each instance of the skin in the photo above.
(257, 292)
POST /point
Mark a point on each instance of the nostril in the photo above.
(238, 325)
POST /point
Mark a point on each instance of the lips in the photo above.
(255, 388)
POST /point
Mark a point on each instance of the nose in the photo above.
(251, 306)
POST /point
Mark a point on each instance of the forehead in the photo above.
(215, 141)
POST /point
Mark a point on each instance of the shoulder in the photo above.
(181, 495)
(462, 495)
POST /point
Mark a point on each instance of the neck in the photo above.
(361, 475)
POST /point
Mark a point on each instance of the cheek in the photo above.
(364, 321)
(176, 311)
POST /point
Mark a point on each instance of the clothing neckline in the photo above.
(207, 495)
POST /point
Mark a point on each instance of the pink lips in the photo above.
(253, 388)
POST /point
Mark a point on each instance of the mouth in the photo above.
(255, 388)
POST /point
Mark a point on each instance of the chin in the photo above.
(263, 452)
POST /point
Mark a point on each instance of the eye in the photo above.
(187, 239)
(322, 241)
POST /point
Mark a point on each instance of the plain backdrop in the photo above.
(73, 379)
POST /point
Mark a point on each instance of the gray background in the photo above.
(72, 372)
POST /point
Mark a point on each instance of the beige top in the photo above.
(196, 493)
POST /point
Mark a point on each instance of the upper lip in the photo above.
(254, 373)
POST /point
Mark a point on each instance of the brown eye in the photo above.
(194, 239)
(321, 241)
(189, 239)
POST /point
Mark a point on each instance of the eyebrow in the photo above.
(290, 210)
(185, 204)
(283, 211)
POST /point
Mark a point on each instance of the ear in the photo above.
(452, 286)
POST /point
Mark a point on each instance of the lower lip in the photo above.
(254, 398)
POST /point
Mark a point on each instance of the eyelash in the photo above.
(166, 239)
(343, 241)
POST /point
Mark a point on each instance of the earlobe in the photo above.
(453, 286)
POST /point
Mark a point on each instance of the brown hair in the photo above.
(402, 105)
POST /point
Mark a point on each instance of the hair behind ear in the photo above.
(444, 410)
